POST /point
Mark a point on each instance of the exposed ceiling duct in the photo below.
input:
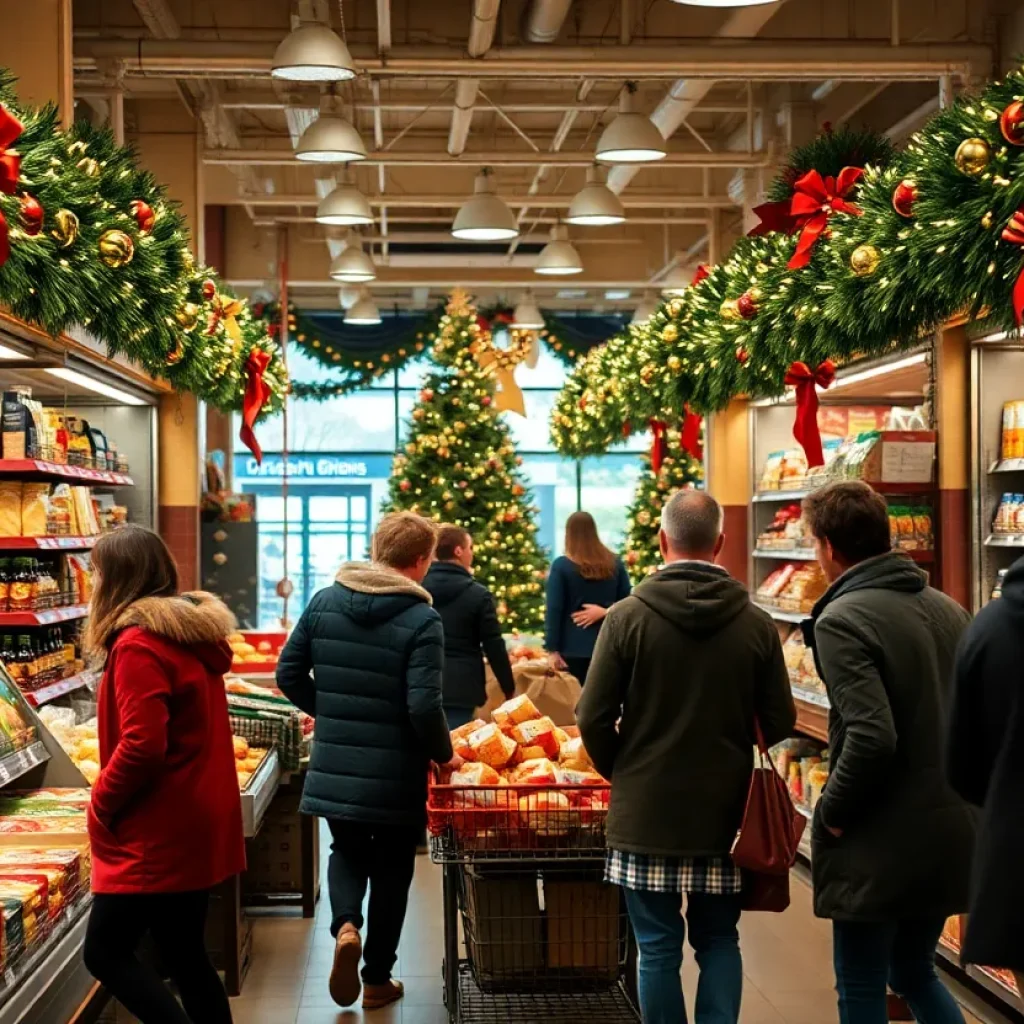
(481, 35)
(543, 20)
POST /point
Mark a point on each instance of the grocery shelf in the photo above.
(37, 469)
(1007, 466)
(16, 763)
(1005, 540)
(257, 796)
(781, 616)
(981, 976)
(792, 555)
(881, 488)
(49, 617)
(37, 698)
(780, 495)
(811, 697)
(811, 719)
(47, 543)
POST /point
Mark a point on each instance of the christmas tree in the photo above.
(460, 466)
(678, 469)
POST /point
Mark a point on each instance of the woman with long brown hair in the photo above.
(165, 822)
(582, 585)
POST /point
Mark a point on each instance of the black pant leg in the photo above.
(178, 928)
(117, 923)
(391, 870)
(579, 668)
(348, 871)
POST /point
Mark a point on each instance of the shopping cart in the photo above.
(546, 940)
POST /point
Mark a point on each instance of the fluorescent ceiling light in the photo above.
(352, 265)
(631, 138)
(617, 294)
(312, 53)
(11, 353)
(595, 205)
(364, 312)
(647, 308)
(559, 256)
(91, 384)
(484, 216)
(330, 139)
(571, 293)
(527, 315)
(345, 206)
(877, 371)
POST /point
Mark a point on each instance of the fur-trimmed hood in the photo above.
(374, 593)
(197, 620)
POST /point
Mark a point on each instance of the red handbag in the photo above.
(766, 846)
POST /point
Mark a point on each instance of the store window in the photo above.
(339, 464)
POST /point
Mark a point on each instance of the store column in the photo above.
(952, 415)
(728, 481)
(168, 143)
(35, 43)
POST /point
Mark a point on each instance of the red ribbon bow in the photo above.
(702, 274)
(815, 199)
(689, 438)
(257, 394)
(10, 168)
(659, 446)
(805, 428)
(1014, 233)
(773, 217)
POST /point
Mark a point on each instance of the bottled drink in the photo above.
(27, 661)
(8, 655)
(21, 586)
(5, 583)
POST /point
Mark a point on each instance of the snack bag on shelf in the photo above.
(17, 425)
(772, 472)
(923, 530)
(10, 508)
(12, 932)
(492, 746)
(538, 732)
(513, 712)
(775, 582)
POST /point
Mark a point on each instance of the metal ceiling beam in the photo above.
(481, 35)
(383, 26)
(483, 278)
(158, 18)
(517, 158)
(633, 201)
(747, 59)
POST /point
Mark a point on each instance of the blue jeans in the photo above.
(868, 956)
(660, 931)
(458, 717)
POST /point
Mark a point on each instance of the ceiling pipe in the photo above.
(543, 20)
(634, 201)
(481, 35)
(685, 95)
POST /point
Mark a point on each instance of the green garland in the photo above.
(939, 234)
(95, 240)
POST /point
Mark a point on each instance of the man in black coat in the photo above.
(986, 767)
(470, 625)
(374, 647)
(891, 842)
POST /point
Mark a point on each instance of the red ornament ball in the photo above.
(32, 214)
(510, 516)
(1011, 123)
(903, 198)
(144, 216)
(427, 395)
(209, 290)
(486, 400)
(747, 306)
(404, 485)
(742, 356)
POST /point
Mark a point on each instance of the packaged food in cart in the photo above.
(538, 732)
(515, 711)
(476, 774)
(538, 772)
(491, 746)
(547, 812)
(574, 757)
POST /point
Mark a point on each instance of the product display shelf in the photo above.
(47, 617)
(1005, 540)
(56, 472)
(782, 616)
(258, 794)
(47, 543)
(792, 555)
(37, 698)
(986, 979)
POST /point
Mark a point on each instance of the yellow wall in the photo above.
(729, 454)
(35, 43)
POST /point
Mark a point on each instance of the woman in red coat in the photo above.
(165, 822)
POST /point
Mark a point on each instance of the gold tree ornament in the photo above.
(864, 260)
(986, 221)
(187, 316)
(729, 310)
(65, 228)
(116, 248)
(972, 157)
(669, 333)
(89, 167)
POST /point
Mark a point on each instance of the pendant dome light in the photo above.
(330, 139)
(352, 265)
(527, 315)
(364, 312)
(559, 257)
(345, 206)
(631, 138)
(595, 205)
(484, 216)
(312, 53)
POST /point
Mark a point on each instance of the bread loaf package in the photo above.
(538, 732)
(491, 746)
(538, 772)
(34, 509)
(515, 711)
(10, 508)
(574, 757)
(475, 775)
(546, 812)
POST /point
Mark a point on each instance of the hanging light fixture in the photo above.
(352, 265)
(345, 205)
(484, 216)
(676, 281)
(364, 312)
(595, 205)
(559, 257)
(330, 139)
(348, 297)
(312, 53)
(632, 138)
(527, 314)
(647, 308)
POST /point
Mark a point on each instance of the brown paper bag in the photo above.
(554, 693)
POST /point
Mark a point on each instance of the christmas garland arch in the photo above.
(852, 260)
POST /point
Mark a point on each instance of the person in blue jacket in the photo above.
(582, 585)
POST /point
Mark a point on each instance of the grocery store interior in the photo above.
(250, 252)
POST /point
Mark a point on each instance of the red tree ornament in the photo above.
(1011, 123)
(742, 355)
(144, 216)
(404, 485)
(1014, 234)
(903, 198)
(209, 290)
(427, 395)
(747, 306)
(486, 400)
(32, 214)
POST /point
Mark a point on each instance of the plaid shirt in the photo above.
(717, 876)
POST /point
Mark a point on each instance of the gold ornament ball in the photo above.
(116, 248)
(675, 307)
(972, 157)
(65, 228)
(756, 295)
(669, 333)
(89, 167)
(729, 310)
(187, 316)
(864, 260)
(674, 363)
(986, 221)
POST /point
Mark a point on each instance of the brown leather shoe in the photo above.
(348, 951)
(377, 996)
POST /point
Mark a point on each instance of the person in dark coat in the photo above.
(470, 625)
(891, 841)
(985, 761)
(375, 648)
(681, 671)
(582, 585)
